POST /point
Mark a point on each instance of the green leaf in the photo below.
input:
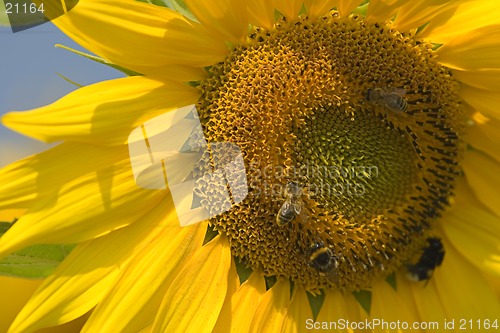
(124, 70)
(34, 262)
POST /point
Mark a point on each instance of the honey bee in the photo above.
(292, 206)
(432, 257)
(391, 99)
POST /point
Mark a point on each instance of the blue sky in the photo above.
(29, 64)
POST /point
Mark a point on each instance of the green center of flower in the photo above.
(351, 140)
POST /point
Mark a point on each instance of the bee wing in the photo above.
(297, 207)
(285, 207)
(399, 91)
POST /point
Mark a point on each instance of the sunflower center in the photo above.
(351, 139)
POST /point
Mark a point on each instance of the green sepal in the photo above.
(4, 226)
(155, 2)
(177, 5)
(34, 262)
(270, 281)
(124, 70)
(316, 302)
(243, 270)
(364, 298)
(69, 80)
(391, 280)
(210, 234)
(361, 10)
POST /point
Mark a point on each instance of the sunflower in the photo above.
(369, 135)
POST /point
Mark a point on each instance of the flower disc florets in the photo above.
(362, 120)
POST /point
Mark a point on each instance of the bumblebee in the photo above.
(322, 258)
(432, 257)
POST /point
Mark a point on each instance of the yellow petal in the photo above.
(382, 10)
(226, 315)
(459, 21)
(385, 300)
(463, 290)
(486, 102)
(487, 79)
(84, 208)
(317, 8)
(102, 113)
(10, 214)
(271, 311)
(426, 297)
(15, 293)
(484, 135)
(494, 282)
(144, 38)
(289, 8)
(261, 13)
(474, 231)
(483, 176)
(242, 306)
(298, 312)
(233, 281)
(228, 18)
(87, 274)
(181, 73)
(450, 294)
(194, 300)
(476, 242)
(147, 329)
(345, 7)
(476, 50)
(404, 291)
(414, 14)
(139, 290)
(43, 174)
(340, 306)
(429, 303)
